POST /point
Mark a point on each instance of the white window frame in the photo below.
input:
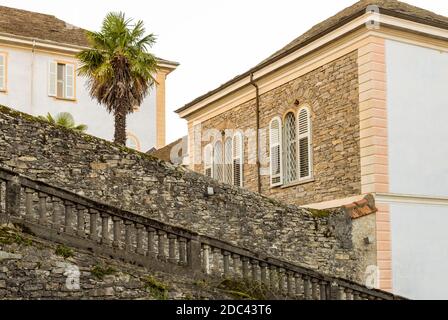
(272, 145)
(69, 78)
(236, 157)
(4, 74)
(310, 144)
(208, 160)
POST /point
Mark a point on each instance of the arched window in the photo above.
(218, 171)
(208, 160)
(290, 148)
(275, 148)
(237, 157)
(228, 161)
(304, 138)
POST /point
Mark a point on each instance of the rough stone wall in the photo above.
(139, 183)
(331, 92)
(31, 268)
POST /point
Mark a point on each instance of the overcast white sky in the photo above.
(214, 40)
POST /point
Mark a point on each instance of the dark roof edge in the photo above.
(308, 41)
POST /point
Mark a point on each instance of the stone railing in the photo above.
(64, 217)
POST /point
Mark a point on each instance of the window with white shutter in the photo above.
(61, 80)
(208, 160)
(237, 158)
(52, 78)
(290, 148)
(304, 138)
(228, 161)
(3, 68)
(69, 81)
(218, 162)
(275, 147)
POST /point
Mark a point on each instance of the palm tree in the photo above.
(65, 120)
(119, 67)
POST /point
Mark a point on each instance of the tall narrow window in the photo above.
(290, 148)
(61, 80)
(218, 171)
(208, 161)
(228, 161)
(275, 147)
(2, 72)
(304, 144)
(237, 157)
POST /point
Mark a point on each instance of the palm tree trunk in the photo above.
(120, 126)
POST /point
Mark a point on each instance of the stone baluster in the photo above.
(151, 253)
(105, 239)
(226, 262)
(56, 218)
(217, 261)
(273, 277)
(140, 249)
(81, 221)
(42, 208)
(307, 287)
(298, 284)
(172, 248)
(255, 265)
(340, 293)
(128, 236)
(323, 290)
(289, 283)
(117, 232)
(93, 225)
(12, 199)
(348, 294)
(236, 265)
(206, 259)
(245, 265)
(263, 273)
(161, 249)
(182, 251)
(68, 217)
(281, 280)
(29, 204)
(356, 295)
(314, 288)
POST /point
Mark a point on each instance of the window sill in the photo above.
(65, 99)
(296, 183)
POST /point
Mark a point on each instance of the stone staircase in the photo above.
(63, 217)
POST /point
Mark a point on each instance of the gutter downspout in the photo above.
(257, 116)
(32, 77)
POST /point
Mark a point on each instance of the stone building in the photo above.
(38, 75)
(355, 106)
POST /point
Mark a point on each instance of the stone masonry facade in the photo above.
(139, 183)
(331, 93)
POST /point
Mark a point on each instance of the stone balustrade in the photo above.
(64, 217)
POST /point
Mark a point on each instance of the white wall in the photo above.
(32, 97)
(418, 119)
(417, 100)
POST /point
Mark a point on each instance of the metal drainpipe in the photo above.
(257, 116)
(32, 77)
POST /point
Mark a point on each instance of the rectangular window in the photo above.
(61, 80)
(3, 68)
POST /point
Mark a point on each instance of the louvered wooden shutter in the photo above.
(237, 156)
(208, 161)
(52, 78)
(304, 144)
(275, 147)
(2, 72)
(69, 81)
